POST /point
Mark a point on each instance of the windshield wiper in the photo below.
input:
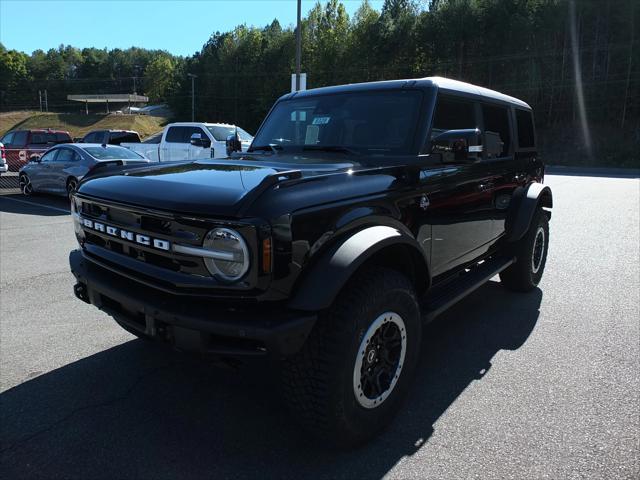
(269, 148)
(331, 148)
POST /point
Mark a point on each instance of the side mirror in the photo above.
(457, 146)
(233, 144)
(197, 141)
(34, 160)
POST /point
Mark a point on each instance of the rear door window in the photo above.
(62, 137)
(177, 134)
(93, 137)
(123, 137)
(20, 139)
(497, 130)
(526, 138)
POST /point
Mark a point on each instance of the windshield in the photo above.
(112, 153)
(358, 123)
(221, 133)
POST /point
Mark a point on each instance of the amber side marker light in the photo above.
(266, 255)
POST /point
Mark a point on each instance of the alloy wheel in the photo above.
(379, 360)
(25, 185)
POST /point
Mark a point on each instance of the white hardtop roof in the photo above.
(458, 86)
(454, 86)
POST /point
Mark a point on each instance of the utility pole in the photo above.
(193, 96)
(40, 98)
(298, 46)
(46, 101)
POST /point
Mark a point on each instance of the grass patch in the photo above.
(78, 124)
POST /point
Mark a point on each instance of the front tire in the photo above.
(531, 256)
(72, 185)
(347, 382)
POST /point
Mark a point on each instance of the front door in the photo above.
(40, 175)
(196, 151)
(460, 194)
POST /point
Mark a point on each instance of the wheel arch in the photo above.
(376, 245)
(524, 203)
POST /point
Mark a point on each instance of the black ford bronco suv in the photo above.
(358, 213)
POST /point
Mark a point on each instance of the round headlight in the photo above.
(231, 244)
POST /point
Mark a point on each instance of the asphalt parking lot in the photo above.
(542, 385)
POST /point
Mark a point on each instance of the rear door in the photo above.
(92, 137)
(58, 174)
(176, 146)
(16, 150)
(499, 160)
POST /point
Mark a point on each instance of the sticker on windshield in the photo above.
(321, 120)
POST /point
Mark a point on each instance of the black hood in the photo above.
(209, 187)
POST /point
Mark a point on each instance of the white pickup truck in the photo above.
(180, 141)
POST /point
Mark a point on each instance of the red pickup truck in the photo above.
(22, 145)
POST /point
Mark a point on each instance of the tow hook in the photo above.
(80, 289)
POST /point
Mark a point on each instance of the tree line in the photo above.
(576, 62)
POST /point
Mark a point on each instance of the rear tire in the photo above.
(25, 185)
(347, 382)
(531, 256)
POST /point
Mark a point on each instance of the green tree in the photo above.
(159, 78)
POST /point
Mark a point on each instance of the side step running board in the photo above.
(444, 297)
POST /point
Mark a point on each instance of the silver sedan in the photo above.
(60, 169)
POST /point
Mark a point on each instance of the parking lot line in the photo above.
(36, 204)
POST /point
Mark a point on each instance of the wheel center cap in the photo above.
(371, 356)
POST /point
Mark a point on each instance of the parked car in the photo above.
(23, 145)
(358, 214)
(62, 167)
(3, 160)
(111, 137)
(190, 141)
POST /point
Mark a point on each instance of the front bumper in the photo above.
(190, 323)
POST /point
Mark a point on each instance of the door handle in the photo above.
(483, 187)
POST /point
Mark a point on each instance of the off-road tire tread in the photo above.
(518, 277)
(306, 375)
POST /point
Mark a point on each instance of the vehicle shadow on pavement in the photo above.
(41, 205)
(140, 410)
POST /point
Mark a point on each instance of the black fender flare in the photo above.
(524, 203)
(326, 277)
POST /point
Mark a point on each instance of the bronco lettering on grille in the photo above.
(122, 234)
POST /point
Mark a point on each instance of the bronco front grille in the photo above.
(166, 229)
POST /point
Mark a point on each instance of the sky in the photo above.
(181, 27)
